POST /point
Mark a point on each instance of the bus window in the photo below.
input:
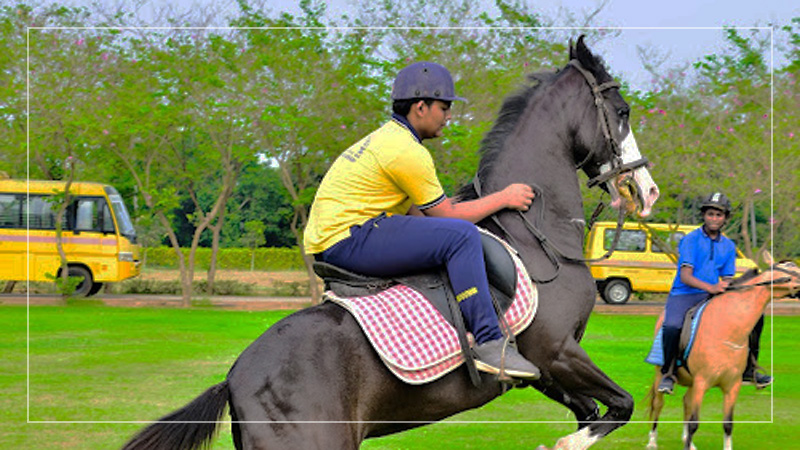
(39, 214)
(86, 215)
(668, 238)
(92, 214)
(10, 211)
(629, 240)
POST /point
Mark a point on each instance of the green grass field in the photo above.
(92, 367)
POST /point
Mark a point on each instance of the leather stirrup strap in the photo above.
(461, 331)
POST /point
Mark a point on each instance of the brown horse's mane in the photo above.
(747, 276)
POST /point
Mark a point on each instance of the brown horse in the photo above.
(719, 352)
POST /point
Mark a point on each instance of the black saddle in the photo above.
(435, 286)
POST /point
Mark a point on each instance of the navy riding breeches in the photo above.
(678, 305)
(388, 246)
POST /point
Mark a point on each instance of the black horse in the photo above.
(312, 380)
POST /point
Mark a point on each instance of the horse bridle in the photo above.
(617, 167)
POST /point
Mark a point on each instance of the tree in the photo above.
(302, 114)
(253, 238)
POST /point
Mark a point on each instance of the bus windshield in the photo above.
(123, 219)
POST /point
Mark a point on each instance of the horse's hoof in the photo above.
(542, 447)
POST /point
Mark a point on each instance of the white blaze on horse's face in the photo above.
(644, 190)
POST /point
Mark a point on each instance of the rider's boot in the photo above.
(500, 357)
(670, 339)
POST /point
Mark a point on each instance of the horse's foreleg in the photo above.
(654, 411)
(581, 378)
(728, 404)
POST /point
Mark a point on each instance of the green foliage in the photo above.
(65, 288)
(253, 234)
(173, 118)
(266, 259)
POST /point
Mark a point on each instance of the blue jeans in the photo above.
(388, 246)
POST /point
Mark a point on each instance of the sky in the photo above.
(681, 31)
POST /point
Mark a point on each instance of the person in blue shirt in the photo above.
(706, 264)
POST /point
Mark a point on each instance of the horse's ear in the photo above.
(571, 50)
(767, 258)
(583, 54)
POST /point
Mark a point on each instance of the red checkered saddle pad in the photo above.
(413, 339)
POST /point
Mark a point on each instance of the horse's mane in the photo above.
(747, 276)
(510, 113)
(514, 106)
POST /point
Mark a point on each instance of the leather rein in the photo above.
(554, 254)
(739, 287)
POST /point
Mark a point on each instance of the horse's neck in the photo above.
(536, 153)
(744, 308)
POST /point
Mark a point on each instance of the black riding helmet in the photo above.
(424, 80)
(717, 200)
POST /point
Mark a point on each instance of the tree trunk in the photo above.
(227, 191)
(748, 248)
(9, 287)
(62, 209)
(308, 260)
(186, 289)
(212, 266)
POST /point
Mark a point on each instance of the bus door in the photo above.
(94, 237)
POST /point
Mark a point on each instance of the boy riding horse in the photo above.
(706, 264)
(381, 211)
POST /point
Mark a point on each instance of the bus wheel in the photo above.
(95, 289)
(617, 292)
(85, 287)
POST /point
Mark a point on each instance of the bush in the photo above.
(266, 259)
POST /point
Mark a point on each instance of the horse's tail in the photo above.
(654, 399)
(649, 398)
(191, 427)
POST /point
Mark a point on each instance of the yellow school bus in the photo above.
(97, 234)
(645, 259)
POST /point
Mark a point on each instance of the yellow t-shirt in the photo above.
(387, 171)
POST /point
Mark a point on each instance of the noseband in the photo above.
(617, 166)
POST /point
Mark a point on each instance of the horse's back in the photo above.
(299, 359)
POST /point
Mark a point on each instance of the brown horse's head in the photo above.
(783, 277)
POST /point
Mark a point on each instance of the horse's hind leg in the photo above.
(580, 377)
(585, 408)
(306, 435)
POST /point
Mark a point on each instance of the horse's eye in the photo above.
(624, 112)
